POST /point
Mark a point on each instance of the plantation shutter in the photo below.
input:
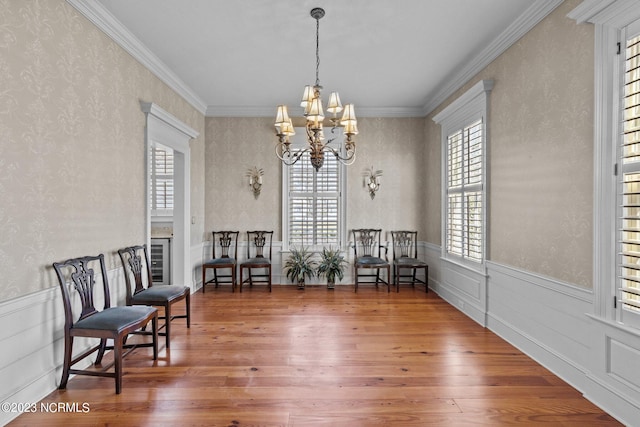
(629, 193)
(314, 201)
(465, 193)
(161, 179)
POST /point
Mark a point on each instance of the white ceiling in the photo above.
(397, 56)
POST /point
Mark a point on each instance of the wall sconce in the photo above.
(372, 180)
(255, 180)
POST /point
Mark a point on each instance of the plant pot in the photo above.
(331, 285)
(301, 284)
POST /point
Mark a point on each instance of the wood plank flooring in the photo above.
(319, 357)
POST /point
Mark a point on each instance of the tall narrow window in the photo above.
(464, 124)
(629, 187)
(313, 204)
(161, 181)
(464, 192)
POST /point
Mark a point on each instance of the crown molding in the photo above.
(105, 21)
(525, 22)
(255, 111)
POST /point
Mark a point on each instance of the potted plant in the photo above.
(332, 265)
(300, 266)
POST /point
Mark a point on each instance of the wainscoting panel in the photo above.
(624, 362)
(545, 318)
(463, 288)
(614, 369)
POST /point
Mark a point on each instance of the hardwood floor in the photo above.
(321, 357)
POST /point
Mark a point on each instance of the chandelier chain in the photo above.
(317, 51)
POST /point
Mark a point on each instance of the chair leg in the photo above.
(167, 323)
(117, 359)
(101, 350)
(154, 330)
(240, 284)
(269, 268)
(233, 279)
(388, 279)
(68, 346)
(426, 279)
(188, 303)
(356, 269)
(204, 275)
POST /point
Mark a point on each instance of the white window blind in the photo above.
(629, 188)
(161, 180)
(314, 203)
(465, 173)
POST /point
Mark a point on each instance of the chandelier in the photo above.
(312, 104)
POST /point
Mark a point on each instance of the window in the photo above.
(464, 192)
(161, 181)
(313, 202)
(463, 125)
(629, 183)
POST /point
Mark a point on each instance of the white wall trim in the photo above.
(256, 111)
(105, 21)
(525, 22)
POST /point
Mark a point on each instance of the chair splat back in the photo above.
(367, 242)
(404, 244)
(83, 278)
(137, 269)
(227, 241)
(259, 240)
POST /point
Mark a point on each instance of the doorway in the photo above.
(165, 129)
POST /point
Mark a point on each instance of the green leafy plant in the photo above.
(300, 266)
(332, 265)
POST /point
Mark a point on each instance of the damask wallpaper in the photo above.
(71, 135)
(72, 143)
(233, 145)
(540, 151)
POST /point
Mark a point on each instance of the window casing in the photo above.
(628, 189)
(464, 140)
(614, 23)
(313, 201)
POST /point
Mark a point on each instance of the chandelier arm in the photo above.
(347, 160)
(295, 155)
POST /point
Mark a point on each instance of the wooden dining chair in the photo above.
(142, 291)
(115, 323)
(259, 247)
(405, 257)
(367, 248)
(225, 256)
